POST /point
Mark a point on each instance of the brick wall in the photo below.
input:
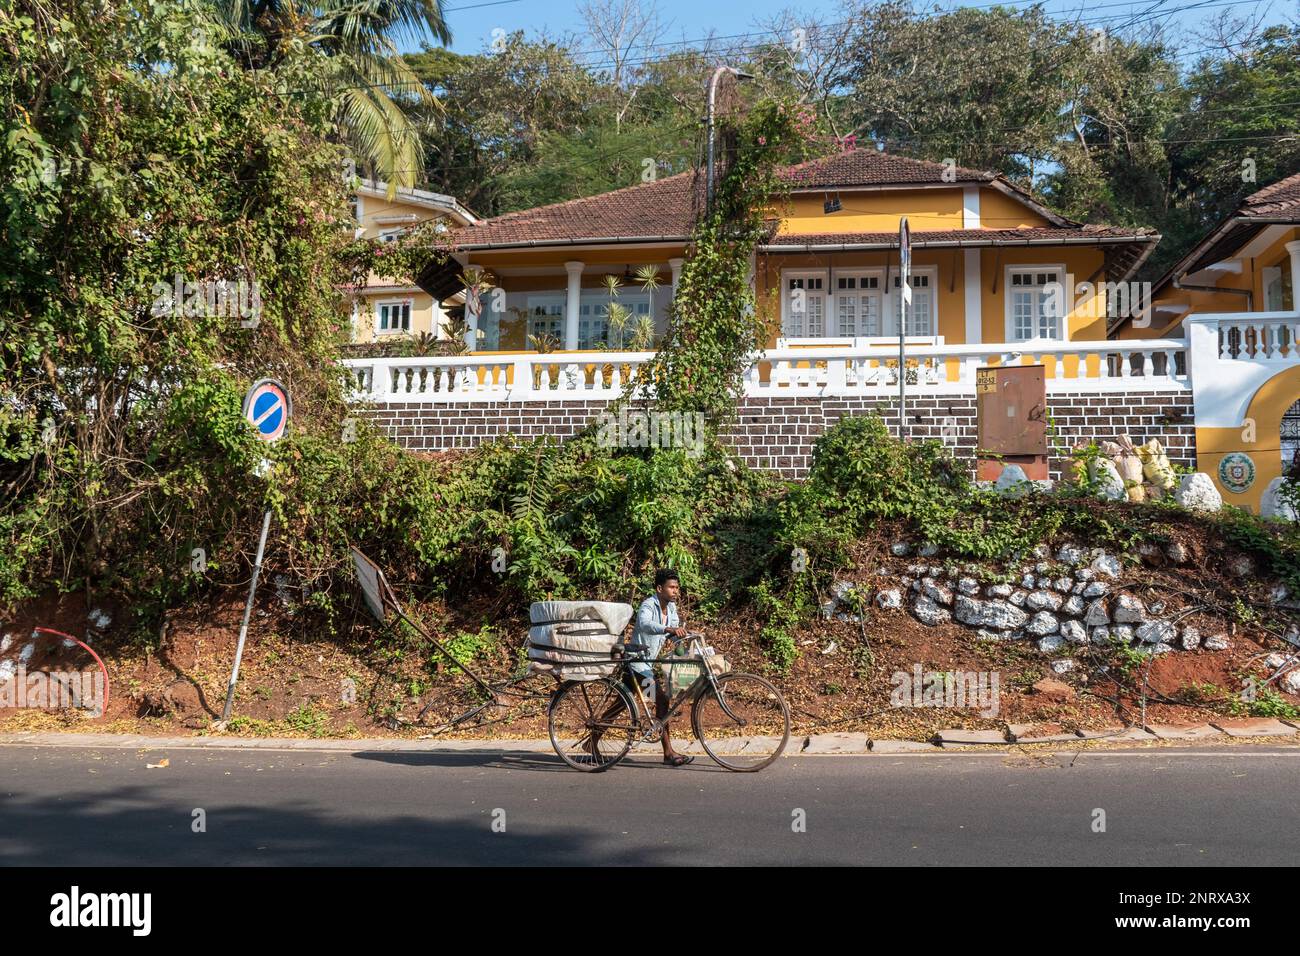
(777, 434)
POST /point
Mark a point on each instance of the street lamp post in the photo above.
(713, 93)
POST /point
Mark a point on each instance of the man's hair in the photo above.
(664, 575)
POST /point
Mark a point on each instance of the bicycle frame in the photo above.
(706, 679)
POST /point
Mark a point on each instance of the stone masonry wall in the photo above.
(777, 434)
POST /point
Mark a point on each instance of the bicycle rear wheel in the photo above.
(592, 724)
(743, 724)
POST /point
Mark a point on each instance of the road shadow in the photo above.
(131, 825)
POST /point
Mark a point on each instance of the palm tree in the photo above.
(360, 68)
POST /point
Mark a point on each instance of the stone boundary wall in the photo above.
(777, 434)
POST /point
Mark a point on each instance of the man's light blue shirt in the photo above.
(652, 626)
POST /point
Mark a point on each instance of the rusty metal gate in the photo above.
(1011, 404)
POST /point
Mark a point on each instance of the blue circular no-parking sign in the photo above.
(267, 408)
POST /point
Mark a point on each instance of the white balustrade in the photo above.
(800, 371)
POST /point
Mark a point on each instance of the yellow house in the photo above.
(989, 265)
(1233, 299)
(383, 310)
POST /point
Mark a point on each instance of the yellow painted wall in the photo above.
(927, 210)
(422, 315)
(1266, 410)
(1086, 320)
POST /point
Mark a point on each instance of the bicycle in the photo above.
(740, 720)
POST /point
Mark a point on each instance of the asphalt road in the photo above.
(100, 806)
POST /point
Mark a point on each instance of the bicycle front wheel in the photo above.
(592, 724)
(743, 723)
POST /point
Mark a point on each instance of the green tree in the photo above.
(358, 66)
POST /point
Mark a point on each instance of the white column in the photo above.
(676, 266)
(970, 207)
(473, 306)
(974, 304)
(572, 305)
(1294, 249)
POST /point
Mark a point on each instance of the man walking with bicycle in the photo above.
(656, 619)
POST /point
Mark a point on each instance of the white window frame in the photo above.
(1008, 302)
(391, 235)
(836, 292)
(595, 313)
(787, 313)
(379, 314)
(893, 303)
(545, 301)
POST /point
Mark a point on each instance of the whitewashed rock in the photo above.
(968, 586)
(1197, 492)
(1241, 566)
(1190, 638)
(1051, 644)
(1027, 581)
(1018, 598)
(1085, 574)
(994, 614)
(1070, 554)
(1042, 623)
(1063, 666)
(1042, 551)
(1276, 595)
(26, 653)
(917, 570)
(99, 619)
(928, 550)
(7, 671)
(936, 592)
(1074, 606)
(1122, 632)
(1129, 610)
(1074, 632)
(1156, 632)
(1042, 567)
(6, 642)
(1095, 589)
(1292, 635)
(1290, 681)
(998, 590)
(1177, 553)
(1273, 503)
(1043, 601)
(1107, 566)
(1013, 482)
(1064, 585)
(1274, 661)
(1095, 615)
(900, 548)
(889, 599)
(1150, 552)
(1099, 634)
(1156, 607)
(927, 612)
(1218, 642)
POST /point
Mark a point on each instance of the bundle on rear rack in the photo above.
(576, 640)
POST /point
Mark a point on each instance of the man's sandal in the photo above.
(678, 760)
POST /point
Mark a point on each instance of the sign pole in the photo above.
(248, 611)
(904, 300)
(267, 407)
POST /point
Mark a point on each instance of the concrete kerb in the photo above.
(834, 744)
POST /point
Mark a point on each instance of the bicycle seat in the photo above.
(635, 648)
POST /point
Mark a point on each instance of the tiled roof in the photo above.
(870, 167)
(951, 237)
(661, 209)
(666, 209)
(1280, 199)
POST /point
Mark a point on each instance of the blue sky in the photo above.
(473, 21)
